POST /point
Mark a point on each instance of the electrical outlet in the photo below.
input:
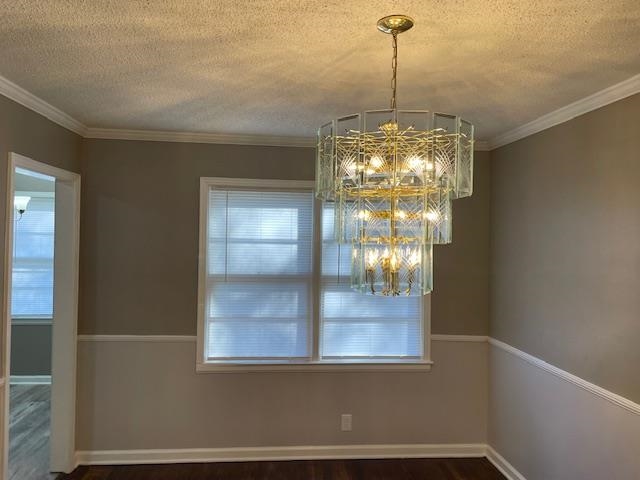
(345, 422)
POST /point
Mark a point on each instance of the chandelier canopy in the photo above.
(392, 175)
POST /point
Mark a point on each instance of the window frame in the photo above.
(315, 363)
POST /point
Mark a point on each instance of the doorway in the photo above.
(37, 415)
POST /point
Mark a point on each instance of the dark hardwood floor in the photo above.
(405, 469)
(29, 430)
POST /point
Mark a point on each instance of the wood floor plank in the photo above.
(401, 469)
(29, 432)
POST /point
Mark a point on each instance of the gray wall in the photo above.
(139, 241)
(29, 134)
(31, 349)
(139, 252)
(460, 300)
(566, 246)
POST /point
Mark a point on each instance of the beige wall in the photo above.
(460, 300)
(147, 395)
(566, 246)
(551, 429)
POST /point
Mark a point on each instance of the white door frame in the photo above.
(64, 336)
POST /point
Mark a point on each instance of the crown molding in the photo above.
(611, 94)
(481, 146)
(189, 137)
(36, 104)
(624, 89)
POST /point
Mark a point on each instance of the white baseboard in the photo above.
(246, 454)
(501, 464)
(30, 380)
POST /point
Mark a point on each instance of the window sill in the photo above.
(31, 321)
(337, 367)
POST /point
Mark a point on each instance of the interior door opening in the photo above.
(40, 298)
(32, 286)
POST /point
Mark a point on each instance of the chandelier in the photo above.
(391, 176)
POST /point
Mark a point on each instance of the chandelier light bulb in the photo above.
(376, 162)
(372, 258)
(432, 216)
(416, 162)
(414, 259)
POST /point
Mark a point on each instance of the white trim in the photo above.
(36, 104)
(16, 322)
(597, 100)
(30, 380)
(501, 464)
(225, 182)
(569, 377)
(588, 386)
(202, 367)
(203, 228)
(616, 92)
(248, 454)
(28, 164)
(138, 338)
(481, 146)
(36, 194)
(438, 337)
(195, 137)
(217, 138)
(315, 366)
(314, 363)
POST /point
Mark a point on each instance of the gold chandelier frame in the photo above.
(392, 175)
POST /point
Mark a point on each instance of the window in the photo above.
(259, 283)
(259, 274)
(32, 275)
(356, 326)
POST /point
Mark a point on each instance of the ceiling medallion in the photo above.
(392, 175)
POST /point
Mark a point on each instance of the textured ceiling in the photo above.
(285, 67)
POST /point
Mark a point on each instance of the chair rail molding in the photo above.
(569, 377)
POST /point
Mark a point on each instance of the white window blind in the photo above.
(259, 275)
(357, 326)
(32, 275)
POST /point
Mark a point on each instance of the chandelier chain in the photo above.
(394, 68)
